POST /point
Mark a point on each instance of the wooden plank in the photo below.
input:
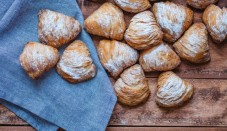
(165, 129)
(28, 128)
(16, 128)
(217, 68)
(206, 108)
(9, 118)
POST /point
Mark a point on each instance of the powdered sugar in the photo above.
(171, 17)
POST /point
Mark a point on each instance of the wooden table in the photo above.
(207, 110)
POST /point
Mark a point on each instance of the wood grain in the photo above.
(216, 68)
(28, 128)
(206, 108)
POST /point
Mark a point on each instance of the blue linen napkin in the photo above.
(49, 102)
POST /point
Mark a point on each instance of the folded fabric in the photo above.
(49, 102)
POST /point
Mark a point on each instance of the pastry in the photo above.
(143, 31)
(75, 65)
(132, 88)
(193, 45)
(200, 4)
(107, 21)
(56, 29)
(115, 56)
(215, 20)
(133, 6)
(38, 58)
(174, 19)
(172, 90)
(159, 58)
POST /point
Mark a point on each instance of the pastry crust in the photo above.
(159, 58)
(76, 64)
(56, 29)
(115, 56)
(215, 20)
(172, 90)
(200, 4)
(193, 45)
(107, 21)
(132, 88)
(133, 6)
(143, 31)
(174, 19)
(38, 58)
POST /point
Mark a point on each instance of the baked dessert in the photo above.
(193, 45)
(116, 56)
(133, 6)
(56, 29)
(107, 21)
(215, 20)
(132, 88)
(172, 90)
(174, 19)
(200, 4)
(38, 58)
(75, 64)
(143, 31)
(159, 58)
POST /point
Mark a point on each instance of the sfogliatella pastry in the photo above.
(132, 88)
(159, 58)
(75, 64)
(133, 6)
(56, 29)
(172, 90)
(215, 20)
(143, 31)
(200, 4)
(107, 21)
(193, 45)
(38, 58)
(174, 19)
(115, 56)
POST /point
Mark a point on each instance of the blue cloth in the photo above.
(49, 102)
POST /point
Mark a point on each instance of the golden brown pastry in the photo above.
(172, 90)
(200, 4)
(132, 88)
(159, 58)
(115, 56)
(38, 58)
(76, 64)
(107, 21)
(133, 6)
(56, 29)
(215, 20)
(174, 19)
(143, 31)
(193, 45)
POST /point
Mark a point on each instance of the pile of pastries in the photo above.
(55, 30)
(157, 38)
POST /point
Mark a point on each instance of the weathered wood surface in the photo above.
(28, 128)
(206, 108)
(217, 68)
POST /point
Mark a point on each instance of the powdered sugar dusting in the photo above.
(57, 29)
(171, 17)
(143, 31)
(119, 57)
(76, 61)
(172, 90)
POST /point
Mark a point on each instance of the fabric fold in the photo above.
(50, 102)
